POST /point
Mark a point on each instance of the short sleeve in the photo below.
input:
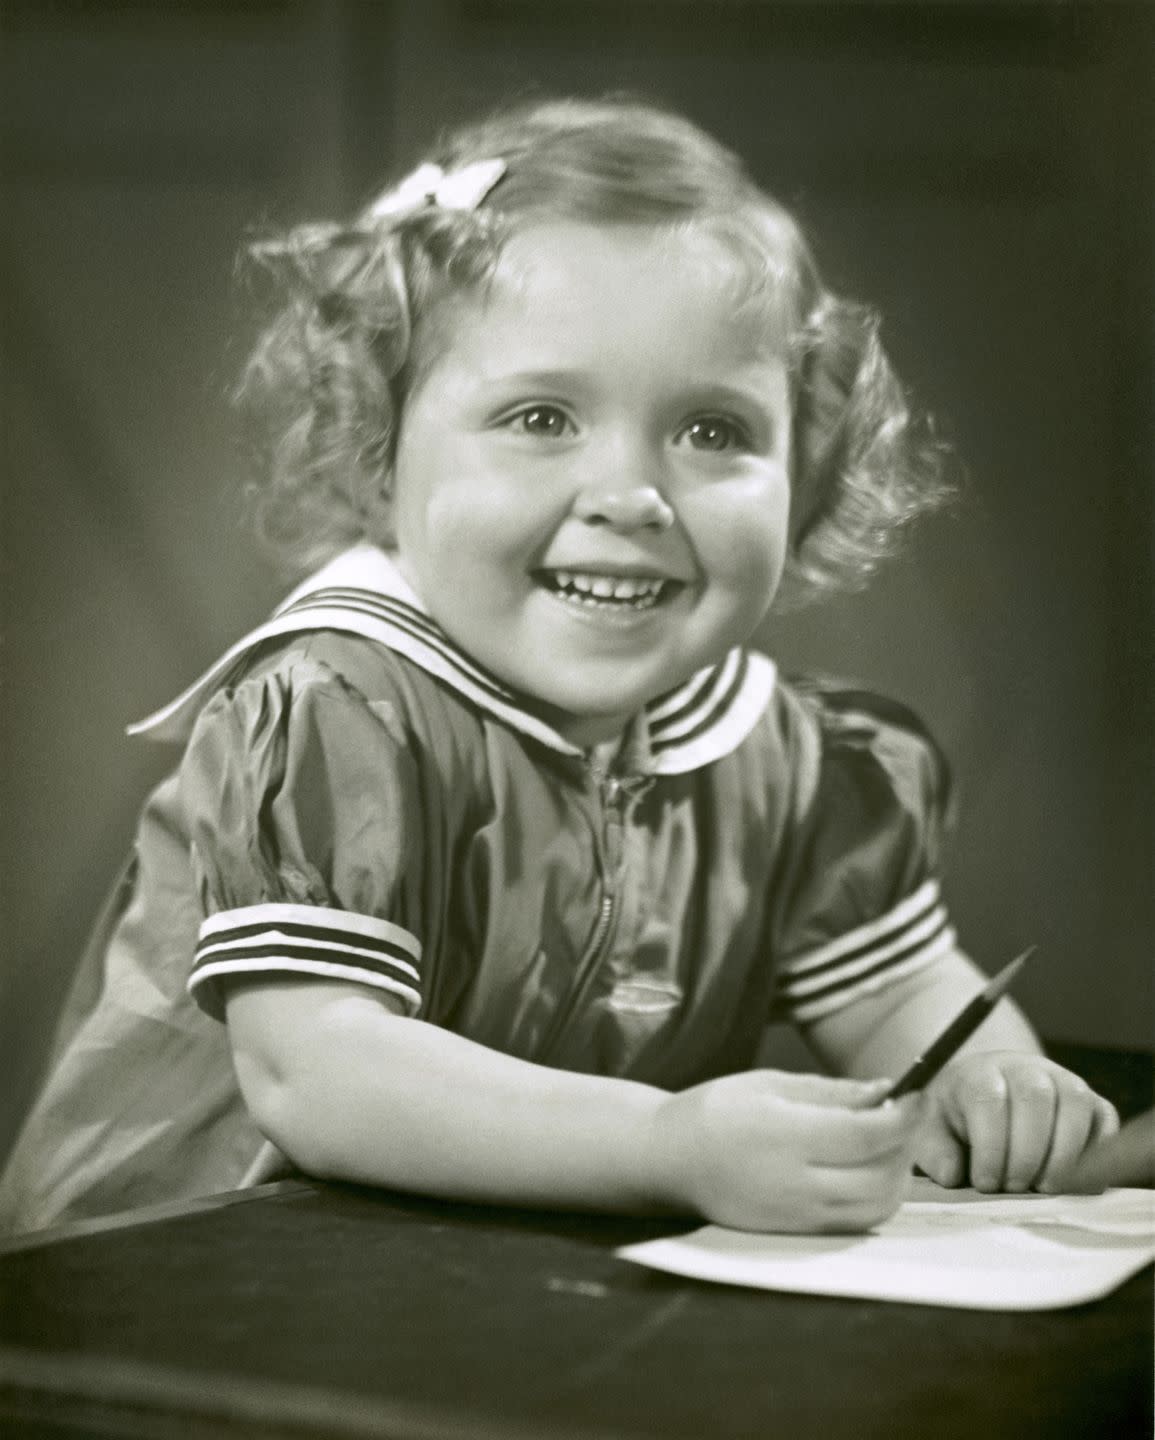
(860, 905)
(305, 823)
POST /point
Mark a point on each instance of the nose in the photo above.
(624, 506)
(641, 507)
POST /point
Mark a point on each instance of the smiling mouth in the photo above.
(591, 591)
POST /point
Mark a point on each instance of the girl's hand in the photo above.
(769, 1150)
(1007, 1120)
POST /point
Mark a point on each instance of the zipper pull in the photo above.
(612, 798)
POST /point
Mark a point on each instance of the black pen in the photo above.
(960, 1029)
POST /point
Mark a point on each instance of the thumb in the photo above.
(865, 1094)
(825, 1091)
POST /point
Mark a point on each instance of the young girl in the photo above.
(491, 855)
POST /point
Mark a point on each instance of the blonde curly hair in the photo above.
(362, 310)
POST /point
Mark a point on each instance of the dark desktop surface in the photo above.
(308, 1310)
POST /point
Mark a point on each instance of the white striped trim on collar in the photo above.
(361, 592)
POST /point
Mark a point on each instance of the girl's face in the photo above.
(592, 479)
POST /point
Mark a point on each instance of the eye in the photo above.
(715, 434)
(543, 422)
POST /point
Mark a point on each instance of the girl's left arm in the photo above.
(1003, 1116)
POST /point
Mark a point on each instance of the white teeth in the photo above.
(606, 586)
(591, 589)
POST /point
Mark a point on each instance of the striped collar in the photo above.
(361, 592)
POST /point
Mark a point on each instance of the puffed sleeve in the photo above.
(860, 905)
(304, 818)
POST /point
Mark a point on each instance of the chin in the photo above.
(586, 721)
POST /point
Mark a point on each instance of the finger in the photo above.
(859, 1200)
(1106, 1121)
(1070, 1141)
(986, 1114)
(849, 1139)
(1033, 1102)
(940, 1154)
(1080, 1113)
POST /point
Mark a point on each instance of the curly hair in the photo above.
(363, 310)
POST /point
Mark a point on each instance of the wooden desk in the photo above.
(307, 1310)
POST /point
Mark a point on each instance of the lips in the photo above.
(589, 588)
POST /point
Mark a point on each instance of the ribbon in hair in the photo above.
(429, 184)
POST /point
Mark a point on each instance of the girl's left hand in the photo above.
(1005, 1120)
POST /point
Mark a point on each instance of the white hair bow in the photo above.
(429, 184)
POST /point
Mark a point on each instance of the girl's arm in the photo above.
(351, 1090)
(885, 1032)
(1001, 1114)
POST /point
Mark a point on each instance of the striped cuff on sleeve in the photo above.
(867, 959)
(305, 940)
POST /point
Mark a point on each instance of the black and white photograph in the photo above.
(577, 717)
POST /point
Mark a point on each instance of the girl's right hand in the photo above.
(773, 1151)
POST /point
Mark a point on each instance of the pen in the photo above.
(960, 1029)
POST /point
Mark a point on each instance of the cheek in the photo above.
(741, 541)
(438, 509)
(492, 516)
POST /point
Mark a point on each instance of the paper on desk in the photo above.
(943, 1247)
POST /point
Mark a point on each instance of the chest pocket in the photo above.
(644, 997)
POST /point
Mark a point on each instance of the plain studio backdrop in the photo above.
(981, 172)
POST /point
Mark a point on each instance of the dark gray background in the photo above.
(982, 172)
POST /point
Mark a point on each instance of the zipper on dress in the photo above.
(611, 791)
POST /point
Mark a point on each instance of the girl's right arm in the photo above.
(349, 1089)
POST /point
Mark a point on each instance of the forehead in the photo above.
(570, 294)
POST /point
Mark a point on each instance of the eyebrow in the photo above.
(722, 393)
(547, 379)
(695, 389)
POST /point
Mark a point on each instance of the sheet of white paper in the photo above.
(943, 1247)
